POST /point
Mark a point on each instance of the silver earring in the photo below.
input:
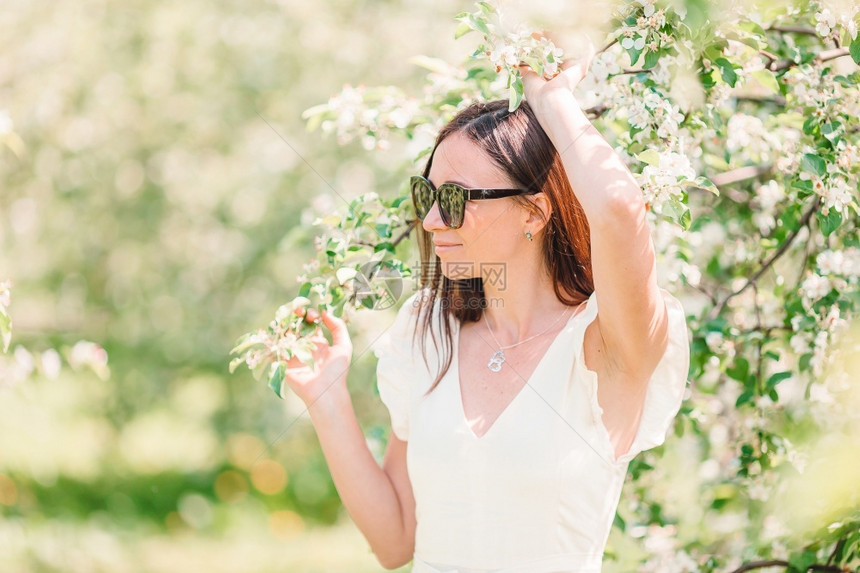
(529, 235)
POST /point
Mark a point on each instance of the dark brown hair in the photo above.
(518, 145)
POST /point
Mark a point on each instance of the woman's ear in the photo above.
(533, 220)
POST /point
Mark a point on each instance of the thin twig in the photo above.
(766, 330)
(406, 232)
(760, 353)
(821, 57)
(761, 565)
(706, 292)
(781, 563)
(768, 55)
(740, 174)
(769, 263)
(607, 46)
(596, 111)
(794, 30)
(776, 100)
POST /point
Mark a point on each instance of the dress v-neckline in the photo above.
(528, 383)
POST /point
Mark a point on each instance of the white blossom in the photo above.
(6, 123)
(50, 363)
(815, 287)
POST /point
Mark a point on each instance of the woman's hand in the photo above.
(331, 361)
(539, 92)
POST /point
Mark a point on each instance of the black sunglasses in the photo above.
(452, 198)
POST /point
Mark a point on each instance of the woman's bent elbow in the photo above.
(394, 558)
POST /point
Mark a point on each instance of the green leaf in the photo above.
(707, 185)
(804, 186)
(685, 220)
(854, 49)
(727, 71)
(767, 79)
(801, 562)
(433, 64)
(707, 79)
(650, 157)
(479, 24)
(534, 63)
(315, 110)
(829, 222)
(651, 59)
(314, 122)
(739, 370)
(244, 343)
(619, 523)
(305, 289)
(674, 209)
(462, 30)
(383, 230)
(634, 55)
(276, 379)
(515, 94)
(777, 378)
(235, 364)
(809, 125)
(813, 164)
(745, 397)
(750, 26)
(5, 329)
(487, 8)
(832, 131)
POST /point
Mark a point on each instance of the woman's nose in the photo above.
(433, 220)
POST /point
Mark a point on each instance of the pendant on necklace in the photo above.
(495, 363)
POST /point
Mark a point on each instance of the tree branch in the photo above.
(607, 46)
(406, 232)
(776, 100)
(769, 263)
(760, 565)
(740, 174)
(794, 30)
(706, 292)
(821, 57)
(781, 563)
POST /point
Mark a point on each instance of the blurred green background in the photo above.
(162, 166)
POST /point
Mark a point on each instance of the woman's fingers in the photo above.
(310, 314)
(585, 54)
(339, 332)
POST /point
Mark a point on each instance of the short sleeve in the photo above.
(666, 386)
(394, 350)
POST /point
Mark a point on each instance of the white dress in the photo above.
(538, 491)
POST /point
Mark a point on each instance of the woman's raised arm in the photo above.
(632, 316)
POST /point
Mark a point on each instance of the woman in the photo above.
(512, 429)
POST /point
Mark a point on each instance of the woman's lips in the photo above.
(445, 248)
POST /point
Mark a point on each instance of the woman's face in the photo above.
(493, 230)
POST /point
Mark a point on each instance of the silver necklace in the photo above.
(495, 363)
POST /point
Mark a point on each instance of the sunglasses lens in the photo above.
(422, 197)
(452, 204)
